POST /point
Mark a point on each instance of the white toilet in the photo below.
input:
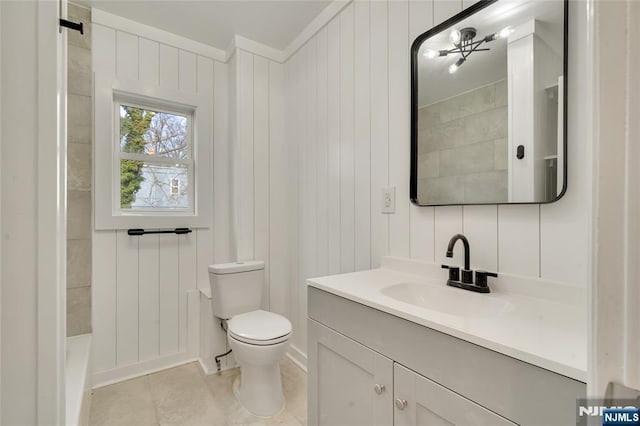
(259, 339)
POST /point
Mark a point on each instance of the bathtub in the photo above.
(78, 377)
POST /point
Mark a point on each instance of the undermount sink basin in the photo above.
(447, 300)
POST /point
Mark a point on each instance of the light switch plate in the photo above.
(388, 199)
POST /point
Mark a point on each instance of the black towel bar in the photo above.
(159, 231)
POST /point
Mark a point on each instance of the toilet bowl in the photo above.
(259, 340)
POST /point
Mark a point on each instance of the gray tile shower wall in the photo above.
(79, 172)
(463, 147)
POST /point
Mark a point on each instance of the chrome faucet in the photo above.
(466, 283)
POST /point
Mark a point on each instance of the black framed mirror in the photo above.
(489, 106)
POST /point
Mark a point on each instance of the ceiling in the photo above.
(214, 22)
(483, 68)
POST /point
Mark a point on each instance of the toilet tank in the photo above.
(236, 287)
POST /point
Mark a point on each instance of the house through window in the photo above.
(155, 158)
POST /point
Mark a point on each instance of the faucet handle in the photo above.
(454, 272)
(481, 277)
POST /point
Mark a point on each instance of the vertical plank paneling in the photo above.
(399, 223)
(103, 300)
(311, 136)
(322, 222)
(362, 163)
(261, 166)
(422, 218)
(243, 175)
(295, 145)
(203, 241)
(127, 56)
(148, 296)
(104, 41)
(149, 61)
(448, 221)
(304, 234)
(347, 178)
(187, 75)
(445, 9)
(519, 239)
(169, 295)
(104, 322)
(169, 67)
(422, 233)
(221, 160)
(280, 199)
(379, 129)
(300, 141)
(127, 298)
(481, 228)
(333, 144)
(193, 323)
(467, 3)
(187, 256)
(420, 17)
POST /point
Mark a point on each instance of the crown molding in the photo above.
(119, 23)
(100, 17)
(329, 12)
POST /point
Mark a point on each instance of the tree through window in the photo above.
(156, 161)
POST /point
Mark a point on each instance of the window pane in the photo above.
(145, 131)
(145, 186)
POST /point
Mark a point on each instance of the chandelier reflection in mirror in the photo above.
(464, 44)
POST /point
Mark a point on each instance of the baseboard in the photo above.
(120, 374)
(209, 368)
(298, 357)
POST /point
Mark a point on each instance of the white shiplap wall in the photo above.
(263, 175)
(145, 298)
(347, 116)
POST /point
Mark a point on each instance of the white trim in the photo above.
(298, 357)
(120, 374)
(106, 165)
(208, 369)
(51, 215)
(256, 48)
(323, 18)
(78, 387)
(100, 17)
(106, 19)
(0, 220)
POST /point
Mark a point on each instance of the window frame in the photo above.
(119, 155)
(109, 94)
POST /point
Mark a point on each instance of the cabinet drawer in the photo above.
(428, 403)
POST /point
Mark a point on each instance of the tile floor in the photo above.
(186, 396)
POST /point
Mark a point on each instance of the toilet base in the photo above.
(236, 392)
(260, 386)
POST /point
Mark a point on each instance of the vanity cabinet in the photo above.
(349, 384)
(420, 401)
(354, 348)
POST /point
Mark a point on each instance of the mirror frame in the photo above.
(415, 47)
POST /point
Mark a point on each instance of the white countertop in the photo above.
(540, 322)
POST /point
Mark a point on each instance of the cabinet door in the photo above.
(349, 384)
(420, 401)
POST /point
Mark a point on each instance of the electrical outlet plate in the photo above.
(388, 199)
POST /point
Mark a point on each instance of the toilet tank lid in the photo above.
(235, 267)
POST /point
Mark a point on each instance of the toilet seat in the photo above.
(259, 328)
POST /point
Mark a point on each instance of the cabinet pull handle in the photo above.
(401, 404)
(379, 389)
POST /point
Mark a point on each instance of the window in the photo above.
(153, 164)
(155, 155)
